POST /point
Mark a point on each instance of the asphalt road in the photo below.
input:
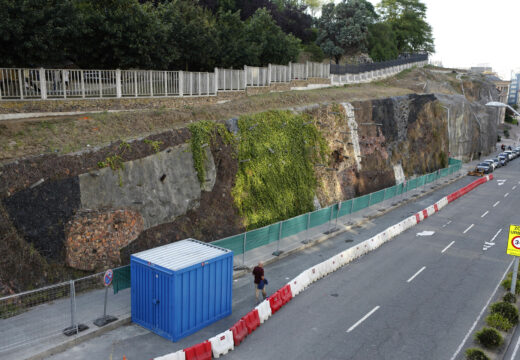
(416, 297)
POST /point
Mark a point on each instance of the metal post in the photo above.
(515, 273)
(351, 209)
(216, 81)
(191, 84)
(269, 74)
(165, 83)
(63, 84)
(337, 215)
(151, 82)
(20, 83)
(74, 327)
(118, 83)
(307, 230)
(278, 252)
(245, 77)
(135, 84)
(100, 85)
(43, 84)
(244, 250)
(330, 217)
(199, 87)
(181, 83)
(207, 84)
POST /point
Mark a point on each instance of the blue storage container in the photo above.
(179, 288)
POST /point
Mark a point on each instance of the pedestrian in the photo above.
(260, 281)
(479, 153)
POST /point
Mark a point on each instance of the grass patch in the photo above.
(506, 283)
(275, 178)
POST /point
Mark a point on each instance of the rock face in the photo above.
(94, 240)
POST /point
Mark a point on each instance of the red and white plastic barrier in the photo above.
(222, 343)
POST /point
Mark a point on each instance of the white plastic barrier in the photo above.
(222, 343)
(313, 273)
(347, 256)
(430, 210)
(179, 355)
(323, 268)
(336, 262)
(264, 311)
(299, 283)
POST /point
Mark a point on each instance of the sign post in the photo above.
(106, 319)
(513, 248)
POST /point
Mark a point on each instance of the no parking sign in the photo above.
(513, 243)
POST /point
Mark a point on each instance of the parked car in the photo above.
(491, 164)
(508, 155)
(511, 154)
(485, 167)
(503, 159)
(498, 163)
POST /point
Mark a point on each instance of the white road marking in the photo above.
(480, 315)
(447, 247)
(506, 194)
(487, 212)
(425, 233)
(501, 182)
(498, 202)
(363, 319)
(449, 222)
(417, 273)
(514, 187)
(469, 227)
(498, 232)
(515, 350)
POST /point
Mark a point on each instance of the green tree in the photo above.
(233, 47)
(268, 43)
(36, 32)
(191, 30)
(119, 34)
(343, 28)
(408, 21)
(382, 44)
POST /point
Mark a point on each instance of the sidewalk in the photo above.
(39, 331)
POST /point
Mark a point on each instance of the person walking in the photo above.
(260, 281)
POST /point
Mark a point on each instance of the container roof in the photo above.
(181, 254)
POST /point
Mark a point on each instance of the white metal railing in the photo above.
(24, 83)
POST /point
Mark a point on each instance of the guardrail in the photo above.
(26, 83)
(361, 68)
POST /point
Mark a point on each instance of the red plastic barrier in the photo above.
(239, 331)
(417, 218)
(200, 351)
(435, 207)
(286, 294)
(252, 320)
(276, 302)
(425, 213)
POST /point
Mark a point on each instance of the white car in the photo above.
(491, 163)
(510, 154)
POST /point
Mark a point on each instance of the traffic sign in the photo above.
(513, 242)
(109, 276)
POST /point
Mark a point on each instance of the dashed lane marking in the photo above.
(417, 273)
(449, 222)
(469, 227)
(487, 212)
(363, 318)
(506, 194)
(447, 247)
(498, 202)
(491, 243)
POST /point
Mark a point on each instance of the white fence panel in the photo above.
(280, 73)
(298, 71)
(256, 76)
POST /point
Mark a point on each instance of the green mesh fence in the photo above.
(294, 226)
(234, 243)
(391, 192)
(377, 197)
(121, 279)
(261, 237)
(346, 206)
(360, 203)
(320, 217)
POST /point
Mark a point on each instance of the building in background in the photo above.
(513, 89)
(503, 93)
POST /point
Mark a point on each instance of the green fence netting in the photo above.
(377, 197)
(391, 192)
(320, 217)
(361, 202)
(346, 206)
(121, 278)
(294, 226)
(234, 243)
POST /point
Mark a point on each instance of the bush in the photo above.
(499, 138)
(476, 354)
(489, 338)
(507, 310)
(506, 283)
(499, 322)
(510, 298)
(506, 133)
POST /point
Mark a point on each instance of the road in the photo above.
(415, 297)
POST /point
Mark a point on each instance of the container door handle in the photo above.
(155, 301)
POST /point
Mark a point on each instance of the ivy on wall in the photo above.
(277, 152)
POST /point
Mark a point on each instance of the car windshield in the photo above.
(483, 164)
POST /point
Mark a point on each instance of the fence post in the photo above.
(100, 84)
(20, 83)
(244, 249)
(306, 70)
(135, 83)
(181, 83)
(199, 87)
(278, 252)
(63, 85)
(207, 83)
(150, 72)
(245, 77)
(307, 230)
(74, 327)
(118, 83)
(216, 81)
(269, 75)
(165, 83)
(289, 78)
(43, 84)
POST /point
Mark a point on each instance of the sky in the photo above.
(476, 32)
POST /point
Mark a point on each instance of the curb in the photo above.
(335, 262)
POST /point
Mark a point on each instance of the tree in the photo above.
(343, 28)
(268, 43)
(292, 19)
(233, 47)
(382, 44)
(407, 18)
(191, 30)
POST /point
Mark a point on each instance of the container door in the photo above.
(160, 302)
